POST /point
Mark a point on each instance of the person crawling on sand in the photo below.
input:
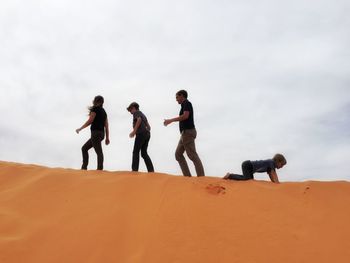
(99, 126)
(262, 166)
(142, 130)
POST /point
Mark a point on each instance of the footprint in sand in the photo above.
(215, 189)
(306, 189)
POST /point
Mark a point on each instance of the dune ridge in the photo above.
(63, 215)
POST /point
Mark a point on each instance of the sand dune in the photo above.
(60, 215)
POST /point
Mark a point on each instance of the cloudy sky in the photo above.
(264, 76)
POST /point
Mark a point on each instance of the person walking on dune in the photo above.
(268, 166)
(188, 135)
(142, 130)
(98, 123)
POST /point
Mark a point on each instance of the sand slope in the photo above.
(57, 215)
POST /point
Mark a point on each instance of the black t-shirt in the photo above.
(99, 122)
(189, 123)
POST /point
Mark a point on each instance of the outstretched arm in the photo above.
(92, 116)
(274, 177)
(182, 117)
(107, 131)
(137, 125)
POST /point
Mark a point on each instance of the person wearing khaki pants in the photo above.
(188, 136)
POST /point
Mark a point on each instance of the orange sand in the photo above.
(58, 215)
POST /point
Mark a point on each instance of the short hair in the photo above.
(133, 105)
(182, 93)
(280, 158)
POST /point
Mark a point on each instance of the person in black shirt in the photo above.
(188, 135)
(141, 129)
(98, 123)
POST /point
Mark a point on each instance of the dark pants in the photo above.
(95, 141)
(247, 169)
(141, 144)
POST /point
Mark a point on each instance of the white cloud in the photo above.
(264, 77)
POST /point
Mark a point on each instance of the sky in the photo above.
(264, 77)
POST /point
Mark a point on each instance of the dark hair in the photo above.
(133, 105)
(182, 93)
(98, 101)
(280, 158)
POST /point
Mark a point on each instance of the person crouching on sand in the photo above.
(142, 130)
(99, 126)
(262, 166)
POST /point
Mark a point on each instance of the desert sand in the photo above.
(62, 215)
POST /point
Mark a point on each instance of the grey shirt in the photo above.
(144, 121)
(263, 166)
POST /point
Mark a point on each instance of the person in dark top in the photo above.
(142, 130)
(188, 135)
(268, 166)
(98, 123)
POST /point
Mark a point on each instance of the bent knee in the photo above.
(178, 156)
(193, 156)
